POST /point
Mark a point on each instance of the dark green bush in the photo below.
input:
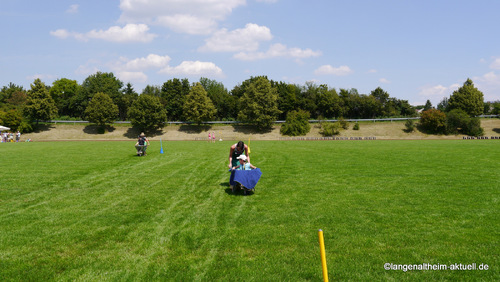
(458, 121)
(410, 125)
(329, 129)
(296, 124)
(25, 127)
(356, 126)
(474, 127)
(343, 123)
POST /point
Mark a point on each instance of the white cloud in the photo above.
(489, 84)
(151, 61)
(87, 69)
(42, 77)
(384, 80)
(330, 70)
(132, 76)
(372, 71)
(490, 78)
(73, 9)
(129, 33)
(268, 1)
(439, 91)
(278, 50)
(189, 16)
(495, 64)
(242, 39)
(435, 93)
(194, 68)
(135, 70)
(188, 24)
(63, 34)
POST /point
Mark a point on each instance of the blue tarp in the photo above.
(247, 178)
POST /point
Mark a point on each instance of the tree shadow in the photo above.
(425, 130)
(238, 192)
(194, 128)
(97, 129)
(133, 132)
(407, 130)
(251, 129)
(497, 130)
(43, 127)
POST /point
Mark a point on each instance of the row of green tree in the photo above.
(102, 98)
(455, 115)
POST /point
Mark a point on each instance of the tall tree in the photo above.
(308, 97)
(39, 104)
(126, 100)
(147, 113)
(443, 105)
(329, 103)
(259, 104)
(6, 94)
(152, 90)
(62, 91)
(383, 107)
(175, 92)
(198, 106)
(218, 94)
(403, 108)
(101, 110)
(99, 82)
(17, 100)
(287, 98)
(428, 105)
(467, 98)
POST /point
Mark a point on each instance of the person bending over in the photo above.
(235, 151)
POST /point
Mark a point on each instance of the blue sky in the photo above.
(414, 50)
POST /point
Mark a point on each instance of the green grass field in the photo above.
(95, 211)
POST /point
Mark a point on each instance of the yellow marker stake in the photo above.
(248, 145)
(323, 255)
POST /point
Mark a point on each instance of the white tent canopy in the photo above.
(4, 128)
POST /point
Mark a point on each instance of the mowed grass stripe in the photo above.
(93, 210)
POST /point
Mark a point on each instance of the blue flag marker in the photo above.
(161, 147)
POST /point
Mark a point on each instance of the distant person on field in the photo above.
(235, 151)
(142, 144)
(18, 136)
(213, 137)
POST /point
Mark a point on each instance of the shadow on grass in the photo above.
(194, 128)
(134, 132)
(424, 130)
(408, 130)
(251, 129)
(497, 130)
(238, 192)
(97, 129)
(42, 127)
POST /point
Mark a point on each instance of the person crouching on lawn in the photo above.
(243, 164)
